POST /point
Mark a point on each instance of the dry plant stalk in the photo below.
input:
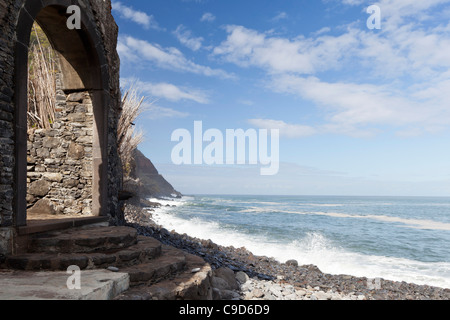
(128, 137)
(41, 86)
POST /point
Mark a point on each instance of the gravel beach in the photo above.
(264, 278)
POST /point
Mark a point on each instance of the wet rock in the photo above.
(220, 283)
(228, 276)
(293, 263)
(241, 277)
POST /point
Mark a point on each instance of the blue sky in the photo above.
(360, 111)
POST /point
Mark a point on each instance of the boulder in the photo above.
(219, 283)
(241, 277)
(39, 188)
(43, 206)
(292, 263)
(228, 275)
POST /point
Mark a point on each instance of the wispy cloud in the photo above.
(208, 17)
(186, 38)
(286, 130)
(171, 58)
(139, 17)
(358, 109)
(280, 16)
(155, 112)
(167, 91)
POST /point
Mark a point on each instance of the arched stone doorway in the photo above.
(89, 64)
(81, 63)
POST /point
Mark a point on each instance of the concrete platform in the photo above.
(94, 285)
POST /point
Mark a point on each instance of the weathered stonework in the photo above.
(77, 165)
(59, 160)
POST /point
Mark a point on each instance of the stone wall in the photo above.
(91, 53)
(8, 14)
(59, 160)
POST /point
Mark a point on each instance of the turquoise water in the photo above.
(396, 238)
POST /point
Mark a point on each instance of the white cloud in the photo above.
(247, 47)
(286, 130)
(322, 31)
(396, 12)
(355, 109)
(186, 38)
(395, 78)
(139, 51)
(167, 91)
(155, 112)
(353, 2)
(139, 17)
(208, 17)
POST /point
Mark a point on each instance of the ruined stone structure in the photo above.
(59, 160)
(72, 168)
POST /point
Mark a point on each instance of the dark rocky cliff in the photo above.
(147, 180)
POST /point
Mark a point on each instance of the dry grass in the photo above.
(41, 85)
(128, 136)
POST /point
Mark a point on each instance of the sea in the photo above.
(393, 238)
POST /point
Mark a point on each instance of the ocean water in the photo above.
(394, 238)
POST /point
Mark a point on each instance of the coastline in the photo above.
(264, 278)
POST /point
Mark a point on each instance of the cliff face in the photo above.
(151, 183)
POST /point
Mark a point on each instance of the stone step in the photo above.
(192, 283)
(143, 251)
(83, 240)
(170, 262)
(153, 270)
(94, 285)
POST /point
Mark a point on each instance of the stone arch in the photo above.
(84, 68)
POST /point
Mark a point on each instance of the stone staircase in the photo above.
(155, 271)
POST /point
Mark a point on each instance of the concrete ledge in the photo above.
(38, 226)
(95, 285)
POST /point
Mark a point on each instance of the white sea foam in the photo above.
(411, 223)
(170, 201)
(315, 249)
(321, 204)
